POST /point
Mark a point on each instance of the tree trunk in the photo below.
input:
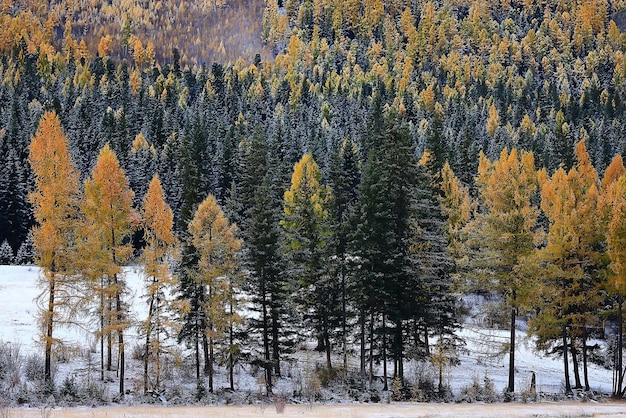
(327, 347)
(371, 350)
(147, 348)
(211, 360)
(49, 318)
(585, 368)
(385, 384)
(266, 339)
(231, 345)
(620, 347)
(575, 366)
(344, 328)
(362, 342)
(205, 349)
(197, 349)
(109, 335)
(400, 351)
(118, 307)
(511, 385)
(275, 340)
(568, 387)
(102, 330)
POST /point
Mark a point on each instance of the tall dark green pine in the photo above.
(344, 179)
(400, 241)
(260, 232)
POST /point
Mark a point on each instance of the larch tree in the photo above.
(306, 231)
(613, 205)
(55, 204)
(109, 215)
(160, 251)
(507, 225)
(217, 246)
(572, 255)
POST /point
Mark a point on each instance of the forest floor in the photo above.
(542, 409)
(482, 361)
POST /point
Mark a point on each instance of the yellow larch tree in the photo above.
(160, 251)
(55, 207)
(107, 207)
(217, 246)
(507, 224)
(613, 207)
(571, 285)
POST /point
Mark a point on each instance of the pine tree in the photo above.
(6, 253)
(26, 253)
(401, 244)
(305, 228)
(161, 245)
(55, 205)
(507, 228)
(262, 256)
(344, 182)
(108, 211)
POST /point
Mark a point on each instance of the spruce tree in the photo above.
(306, 231)
(262, 254)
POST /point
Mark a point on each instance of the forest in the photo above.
(360, 168)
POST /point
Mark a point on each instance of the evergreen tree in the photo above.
(401, 243)
(6, 253)
(26, 252)
(261, 239)
(344, 182)
(306, 232)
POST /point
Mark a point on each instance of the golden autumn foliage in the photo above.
(217, 245)
(306, 188)
(107, 207)
(55, 208)
(160, 250)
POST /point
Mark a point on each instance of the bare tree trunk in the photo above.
(275, 340)
(102, 330)
(211, 359)
(266, 342)
(585, 367)
(49, 320)
(231, 345)
(197, 347)
(205, 348)
(568, 387)
(511, 385)
(620, 348)
(371, 349)
(147, 348)
(575, 366)
(120, 340)
(385, 384)
(362, 342)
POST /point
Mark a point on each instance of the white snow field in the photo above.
(18, 326)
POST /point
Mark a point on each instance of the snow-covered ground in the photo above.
(18, 326)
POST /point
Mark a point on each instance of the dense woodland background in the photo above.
(224, 98)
